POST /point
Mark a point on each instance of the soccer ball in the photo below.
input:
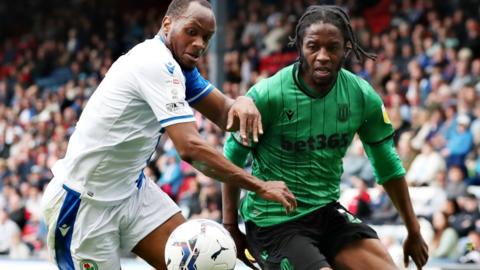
(200, 244)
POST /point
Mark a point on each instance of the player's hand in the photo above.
(245, 111)
(240, 242)
(278, 191)
(416, 248)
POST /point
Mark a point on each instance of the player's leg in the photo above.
(152, 218)
(80, 235)
(284, 247)
(347, 237)
(368, 254)
(52, 201)
(152, 247)
(302, 253)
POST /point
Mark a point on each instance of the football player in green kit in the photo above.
(311, 111)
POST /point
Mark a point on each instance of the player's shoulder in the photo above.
(357, 84)
(153, 58)
(275, 83)
(151, 52)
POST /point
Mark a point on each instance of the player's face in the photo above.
(323, 50)
(188, 35)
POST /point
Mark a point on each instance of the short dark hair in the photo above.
(178, 7)
(328, 14)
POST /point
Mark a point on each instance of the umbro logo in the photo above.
(64, 229)
(170, 67)
(289, 114)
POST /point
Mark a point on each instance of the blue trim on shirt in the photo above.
(139, 180)
(66, 221)
(203, 94)
(196, 87)
(175, 118)
(162, 38)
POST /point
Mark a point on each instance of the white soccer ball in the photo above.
(200, 244)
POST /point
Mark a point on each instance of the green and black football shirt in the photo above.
(306, 136)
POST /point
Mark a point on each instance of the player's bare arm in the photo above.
(414, 246)
(232, 115)
(206, 159)
(230, 204)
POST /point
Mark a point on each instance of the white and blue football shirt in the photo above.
(144, 91)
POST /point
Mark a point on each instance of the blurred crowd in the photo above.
(427, 72)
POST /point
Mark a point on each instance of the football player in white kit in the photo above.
(99, 201)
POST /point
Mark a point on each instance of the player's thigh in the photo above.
(153, 217)
(95, 240)
(284, 247)
(52, 201)
(300, 252)
(81, 235)
(368, 254)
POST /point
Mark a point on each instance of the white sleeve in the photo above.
(164, 90)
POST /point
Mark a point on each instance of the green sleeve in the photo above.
(236, 152)
(260, 96)
(376, 125)
(233, 149)
(385, 161)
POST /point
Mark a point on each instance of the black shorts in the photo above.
(310, 242)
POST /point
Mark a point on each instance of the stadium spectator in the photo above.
(459, 144)
(172, 178)
(456, 186)
(357, 166)
(8, 230)
(383, 210)
(425, 167)
(445, 238)
(360, 204)
(465, 221)
(471, 254)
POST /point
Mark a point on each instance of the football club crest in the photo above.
(343, 112)
(88, 265)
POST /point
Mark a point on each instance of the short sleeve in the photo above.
(376, 126)
(197, 87)
(235, 151)
(162, 87)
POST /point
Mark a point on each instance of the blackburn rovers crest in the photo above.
(88, 265)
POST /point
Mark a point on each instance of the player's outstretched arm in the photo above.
(237, 154)
(414, 246)
(194, 150)
(230, 200)
(232, 115)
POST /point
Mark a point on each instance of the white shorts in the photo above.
(83, 235)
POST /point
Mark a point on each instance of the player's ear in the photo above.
(348, 49)
(166, 24)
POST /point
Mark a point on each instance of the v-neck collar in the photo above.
(302, 85)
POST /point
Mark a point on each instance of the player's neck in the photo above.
(320, 89)
(163, 38)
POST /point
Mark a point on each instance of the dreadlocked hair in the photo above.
(333, 15)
